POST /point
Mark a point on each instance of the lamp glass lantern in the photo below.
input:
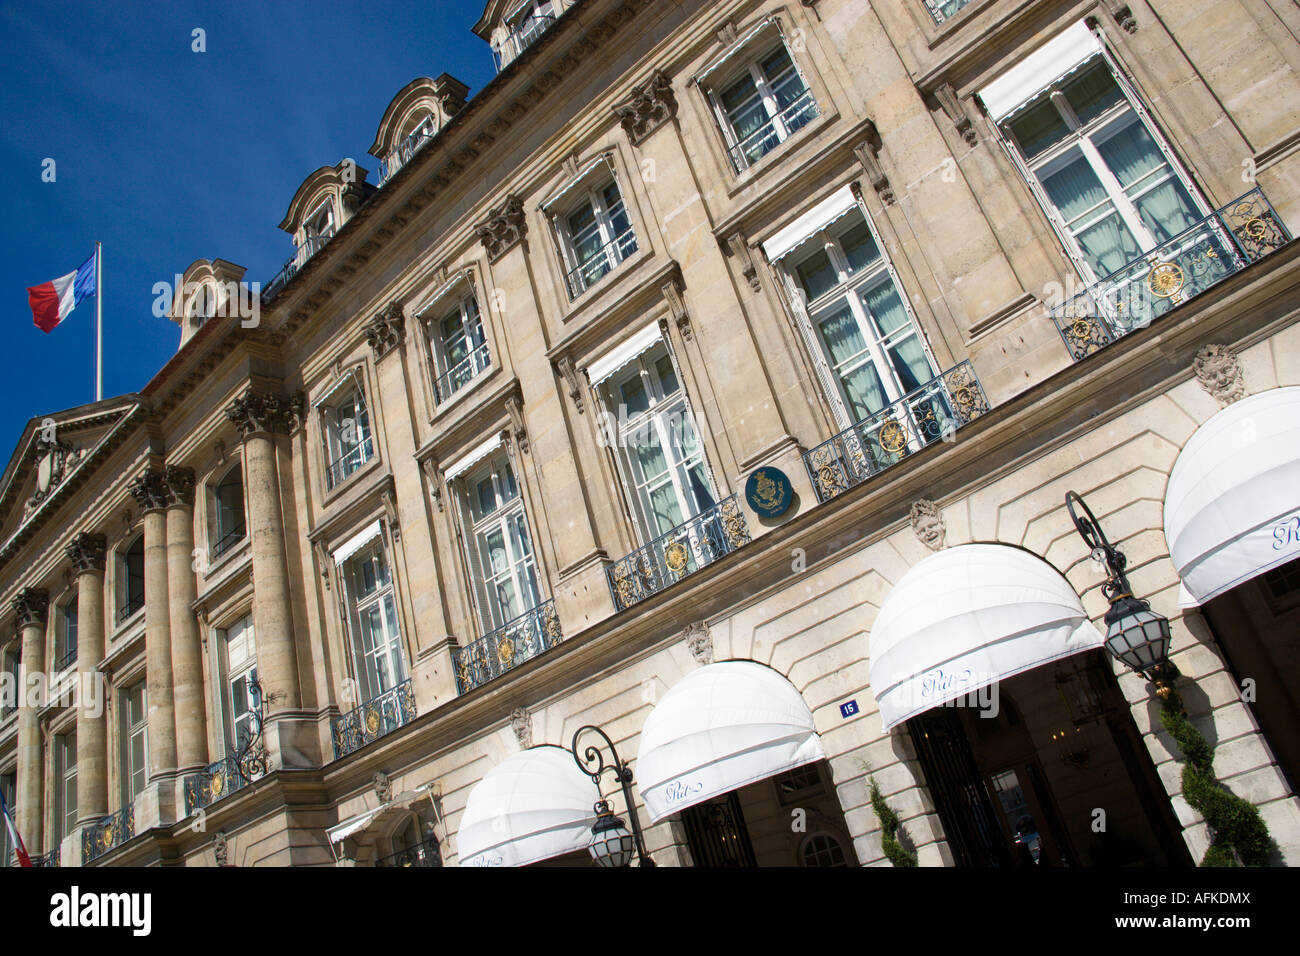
(1136, 635)
(611, 842)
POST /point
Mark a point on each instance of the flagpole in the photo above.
(99, 322)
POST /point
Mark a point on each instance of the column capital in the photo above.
(504, 227)
(32, 606)
(87, 552)
(651, 105)
(387, 330)
(149, 490)
(258, 411)
(179, 483)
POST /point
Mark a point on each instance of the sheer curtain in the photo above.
(906, 354)
(1076, 191)
(1137, 163)
(863, 390)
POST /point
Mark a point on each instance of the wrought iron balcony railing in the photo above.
(350, 462)
(407, 148)
(50, 859)
(310, 246)
(1220, 245)
(228, 540)
(775, 131)
(943, 10)
(604, 261)
(422, 854)
(522, 36)
(66, 659)
(925, 415)
(222, 779)
(527, 636)
(133, 604)
(109, 833)
(378, 716)
(460, 374)
(685, 549)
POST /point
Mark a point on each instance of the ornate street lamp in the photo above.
(1136, 636)
(611, 843)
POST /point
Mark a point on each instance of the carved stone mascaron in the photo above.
(87, 552)
(651, 105)
(266, 412)
(387, 330)
(31, 605)
(503, 229)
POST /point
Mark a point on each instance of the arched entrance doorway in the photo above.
(732, 751)
(1232, 522)
(985, 653)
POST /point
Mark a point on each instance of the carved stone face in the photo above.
(1217, 370)
(929, 528)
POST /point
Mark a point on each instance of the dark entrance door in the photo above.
(716, 834)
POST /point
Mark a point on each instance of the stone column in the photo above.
(32, 608)
(150, 492)
(260, 416)
(182, 590)
(87, 553)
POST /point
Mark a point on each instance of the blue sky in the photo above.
(166, 155)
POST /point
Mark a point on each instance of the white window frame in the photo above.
(751, 67)
(590, 188)
(652, 424)
(388, 652)
(513, 23)
(329, 409)
(472, 331)
(1082, 140)
(244, 668)
(509, 518)
(66, 776)
(850, 289)
(131, 731)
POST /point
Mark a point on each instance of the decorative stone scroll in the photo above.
(504, 228)
(651, 105)
(572, 378)
(868, 153)
(952, 106)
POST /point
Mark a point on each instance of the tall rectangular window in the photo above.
(864, 331)
(501, 551)
(227, 504)
(130, 577)
(66, 643)
(372, 620)
(658, 447)
(349, 442)
(66, 798)
(460, 349)
(238, 675)
(595, 234)
(1112, 184)
(760, 101)
(10, 692)
(135, 741)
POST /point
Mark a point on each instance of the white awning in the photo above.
(1051, 62)
(350, 377)
(722, 727)
(819, 217)
(580, 179)
(532, 806)
(466, 462)
(1232, 508)
(613, 360)
(453, 284)
(738, 46)
(358, 541)
(355, 824)
(966, 617)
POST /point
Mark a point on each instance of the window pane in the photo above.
(1092, 93)
(664, 510)
(701, 488)
(842, 336)
(632, 394)
(1090, 214)
(864, 391)
(910, 363)
(667, 376)
(1038, 128)
(859, 247)
(487, 498)
(1135, 159)
(817, 275)
(886, 307)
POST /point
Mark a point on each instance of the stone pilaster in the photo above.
(182, 590)
(87, 553)
(260, 416)
(32, 608)
(150, 493)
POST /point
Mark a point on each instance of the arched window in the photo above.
(227, 503)
(130, 579)
(821, 849)
(413, 843)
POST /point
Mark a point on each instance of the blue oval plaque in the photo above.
(768, 491)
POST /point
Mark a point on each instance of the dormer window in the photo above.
(420, 134)
(592, 226)
(944, 10)
(523, 26)
(349, 442)
(759, 97)
(317, 229)
(202, 306)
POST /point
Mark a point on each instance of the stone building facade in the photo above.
(632, 390)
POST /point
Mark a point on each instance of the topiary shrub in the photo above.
(895, 852)
(1238, 834)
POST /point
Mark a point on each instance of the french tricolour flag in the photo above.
(23, 858)
(52, 301)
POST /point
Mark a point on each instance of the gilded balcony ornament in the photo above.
(676, 556)
(967, 395)
(506, 652)
(892, 437)
(1165, 280)
(733, 521)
